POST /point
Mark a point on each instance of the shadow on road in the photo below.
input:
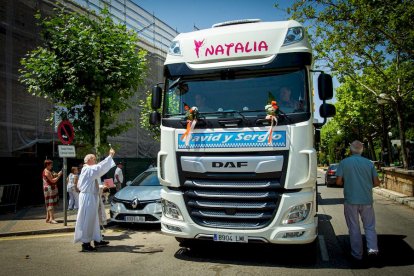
(139, 249)
(136, 227)
(329, 201)
(394, 251)
(250, 254)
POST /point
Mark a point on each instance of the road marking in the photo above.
(324, 250)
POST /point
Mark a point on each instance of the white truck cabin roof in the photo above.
(232, 44)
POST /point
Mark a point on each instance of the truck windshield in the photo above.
(242, 93)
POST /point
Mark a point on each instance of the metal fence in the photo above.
(9, 195)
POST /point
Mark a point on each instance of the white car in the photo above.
(139, 201)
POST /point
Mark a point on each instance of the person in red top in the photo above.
(50, 191)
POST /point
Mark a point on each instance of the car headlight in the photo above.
(293, 35)
(170, 210)
(297, 213)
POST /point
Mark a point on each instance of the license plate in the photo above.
(134, 219)
(230, 238)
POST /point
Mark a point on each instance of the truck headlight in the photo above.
(170, 210)
(293, 35)
(297, 213)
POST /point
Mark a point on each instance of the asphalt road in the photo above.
(144, 250)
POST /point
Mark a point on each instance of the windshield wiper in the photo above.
(174, 83)
(282, 113)
(231, 111)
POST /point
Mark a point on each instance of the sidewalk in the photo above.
(398, 197)
(31, 220)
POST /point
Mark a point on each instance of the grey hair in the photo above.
(88, 157)
(356, 147)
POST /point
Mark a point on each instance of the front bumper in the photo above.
(151, 213)
(303, 232)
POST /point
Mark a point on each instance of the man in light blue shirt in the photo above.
(358, 176)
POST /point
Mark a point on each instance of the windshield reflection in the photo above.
(146, 179)
(245, 94)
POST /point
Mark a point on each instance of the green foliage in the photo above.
(84, 57)
(349, 36)
(369, 46)
(145, 112)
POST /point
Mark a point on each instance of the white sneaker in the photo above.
(373, 252)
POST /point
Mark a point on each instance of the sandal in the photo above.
(53, 222)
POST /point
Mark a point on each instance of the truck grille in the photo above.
(232, 204)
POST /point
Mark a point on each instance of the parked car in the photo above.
(139, 201)
(330, 175)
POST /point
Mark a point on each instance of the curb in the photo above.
(398, 197)
(37, 232)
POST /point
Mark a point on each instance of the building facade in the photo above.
(25, 131)
(26, 138)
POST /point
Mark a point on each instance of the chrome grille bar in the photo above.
(232, 204)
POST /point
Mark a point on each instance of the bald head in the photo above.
(90, 159)
(356, 147)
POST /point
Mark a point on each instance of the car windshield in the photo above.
(147, 178)
(243, 92)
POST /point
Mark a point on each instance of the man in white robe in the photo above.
(87, 222)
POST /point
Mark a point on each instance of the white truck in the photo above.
(232, 171)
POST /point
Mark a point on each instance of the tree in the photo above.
(357, 114)
(173, 102)
(88, 65)
(146, 110)
(357, 37)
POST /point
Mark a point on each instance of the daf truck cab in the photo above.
(237, 159)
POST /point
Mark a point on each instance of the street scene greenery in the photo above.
(369, 46)
(90, 68)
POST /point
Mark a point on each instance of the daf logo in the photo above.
(135, 203)
(229, 164)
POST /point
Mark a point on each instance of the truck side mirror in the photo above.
(155, 118)
(327, 110)
(325, 87)
(156, 97)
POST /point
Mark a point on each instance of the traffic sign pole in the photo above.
(65, 135)
(65, 192)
